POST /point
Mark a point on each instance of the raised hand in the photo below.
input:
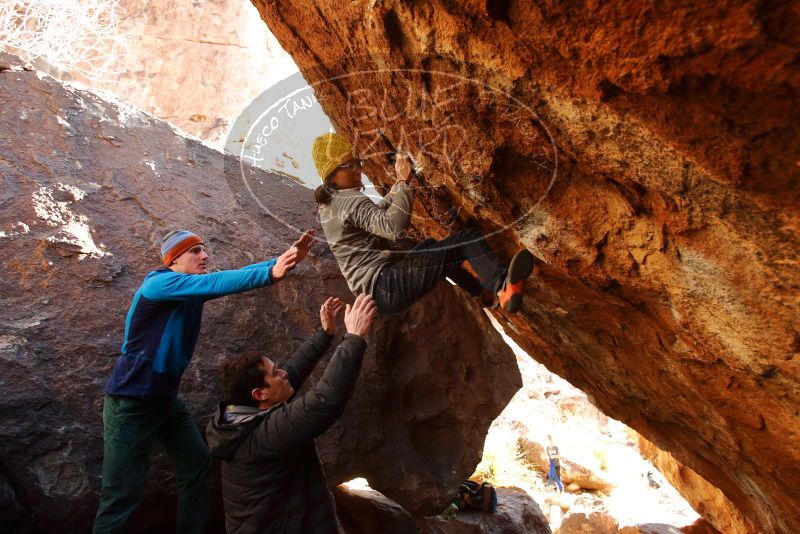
(293, 255)
(285, 263)
(402, 167)
(328, 312)
(358, 317)
(303, 245)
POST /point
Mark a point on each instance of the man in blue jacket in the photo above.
(141, 404)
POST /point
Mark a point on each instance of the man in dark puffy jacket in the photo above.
(272, 479)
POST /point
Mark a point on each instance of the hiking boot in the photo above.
(513, 290)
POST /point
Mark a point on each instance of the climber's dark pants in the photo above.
(401, 284)
(131, 427)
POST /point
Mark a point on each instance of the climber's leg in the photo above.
(401, 284)
(559, 484)
(460, 276)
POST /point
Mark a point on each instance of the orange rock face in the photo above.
(649, 155)
(703, 497)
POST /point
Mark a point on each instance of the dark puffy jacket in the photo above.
(272, 479)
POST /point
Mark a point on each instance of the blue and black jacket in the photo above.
(163, 324)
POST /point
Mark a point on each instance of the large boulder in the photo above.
(535, 454)
(701, 495)
(233, 59)
(650, 528)
(588, 523)
(578, 407)
(87, 188)
(366, 511)
(700, 526)
(648, 155)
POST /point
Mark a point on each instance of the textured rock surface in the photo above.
(671, 228)
(706, 499)
(650, 528)
(365, 511)
(549, 407)
(194, 63)
(698, 527)
(88, 187)
(588, 523)
(701, 526)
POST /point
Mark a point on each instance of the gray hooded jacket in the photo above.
(360, 232)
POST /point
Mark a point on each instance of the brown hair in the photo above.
(240, 376)
(324, 193)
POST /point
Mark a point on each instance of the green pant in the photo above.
(131, 427)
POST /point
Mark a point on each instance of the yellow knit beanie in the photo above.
(329, 151)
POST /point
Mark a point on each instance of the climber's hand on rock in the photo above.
(402, 167)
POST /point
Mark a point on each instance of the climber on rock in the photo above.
(272, 479)
(141, 404)
(361, 235)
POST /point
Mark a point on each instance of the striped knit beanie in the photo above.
(176, 243)
(329, 151)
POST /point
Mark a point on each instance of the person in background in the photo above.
(554, 470)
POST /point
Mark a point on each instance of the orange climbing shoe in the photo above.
(519, 270)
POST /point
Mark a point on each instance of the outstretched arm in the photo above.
(260, 265)
(390, 217)
(389, 223)
(305, 358)
(386, 201)
(308, 416)
(178, 286)
(293, 255)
